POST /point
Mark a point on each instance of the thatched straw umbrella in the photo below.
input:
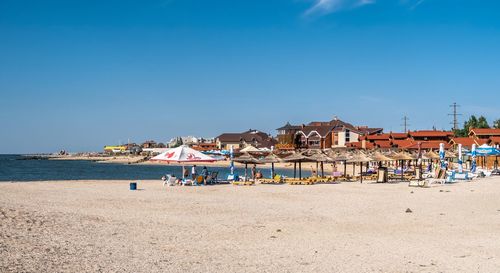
(341, 156)
(431, 155)
(450, 154)
(246, 159)
(321, 158)
(402, 157)
(359, 158)
(380, 157)
(297, 158)
(271, 158)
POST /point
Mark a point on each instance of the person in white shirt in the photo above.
(193, 172)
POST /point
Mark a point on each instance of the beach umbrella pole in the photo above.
(294, 169)
(361, 173)
(402, 170)
(300, 170)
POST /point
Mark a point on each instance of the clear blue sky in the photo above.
(77, 75)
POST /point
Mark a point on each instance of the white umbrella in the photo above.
(183, 154)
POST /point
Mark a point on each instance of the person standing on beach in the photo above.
(185, 173)
(193, 172)
(204, 173)
(254, 171)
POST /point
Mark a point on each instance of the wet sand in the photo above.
(102, 226)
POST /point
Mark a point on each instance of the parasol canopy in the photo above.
(378, 156)
(183, 154)
(271, 158)
(246, 158)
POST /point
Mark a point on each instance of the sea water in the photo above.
(17, 168)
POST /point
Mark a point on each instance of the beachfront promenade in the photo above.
(102, 226)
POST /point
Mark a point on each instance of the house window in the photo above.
(314, 143)
(347, 136)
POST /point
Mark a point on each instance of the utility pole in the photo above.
(455, 115)
(405, 123)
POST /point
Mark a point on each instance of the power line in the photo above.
(455, 115)
(405, 123)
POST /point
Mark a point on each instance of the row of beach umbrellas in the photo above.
(345, 156)
(185, 154)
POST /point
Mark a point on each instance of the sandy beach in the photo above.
(102, 226)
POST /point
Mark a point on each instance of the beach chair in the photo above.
(243, 183)
(170, 181)
(278, 179)
(212, 178)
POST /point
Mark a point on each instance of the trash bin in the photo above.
(382, 176)
(133, 186)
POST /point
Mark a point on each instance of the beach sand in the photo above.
(102, 226)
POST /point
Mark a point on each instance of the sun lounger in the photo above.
(243, 183)
(170, 181)
(300, 182)
(278, 179)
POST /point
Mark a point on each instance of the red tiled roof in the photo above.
(369, 131)
(495, 139)
(323, 131)
(427, 145)
(482, 141)
(465, 141)
(399, 135)
(383, 143)
(430, 133)
(403, 143)
(378, 137)
(485, 132)
(359, 145)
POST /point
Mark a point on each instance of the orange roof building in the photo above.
(483, 133)
(466, 142)
(494, 140)
(431, 135)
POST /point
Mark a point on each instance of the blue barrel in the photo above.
(133, 186)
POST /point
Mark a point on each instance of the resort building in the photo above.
(287, 137)
(483, 133)
(321, 135)
(205, 146)
(239, 141)
(431, 135)
(466, 142)
(412, 140)
(191, 141)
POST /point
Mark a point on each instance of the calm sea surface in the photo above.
(12, 168)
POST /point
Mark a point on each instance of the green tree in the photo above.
(472, 122)
(482, 123)
(496, 124)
